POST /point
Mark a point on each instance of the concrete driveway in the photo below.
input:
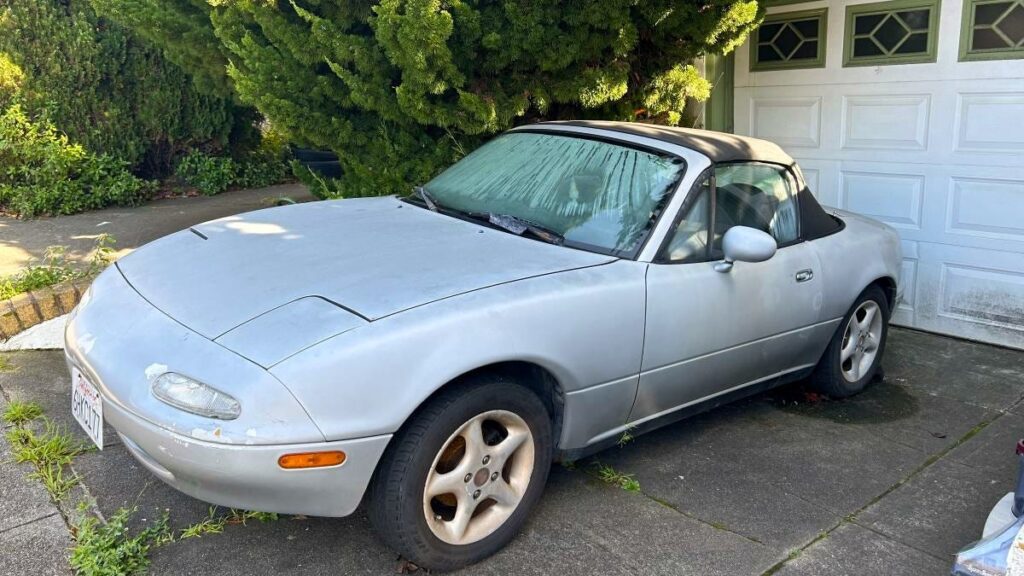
(892, 482)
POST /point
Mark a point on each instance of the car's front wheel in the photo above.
(855, 352)
(460, 478)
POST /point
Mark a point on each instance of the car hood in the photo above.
(374, 257)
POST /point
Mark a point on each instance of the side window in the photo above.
(760, 196)
(689, 242)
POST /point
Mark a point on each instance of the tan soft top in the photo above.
(718, 146)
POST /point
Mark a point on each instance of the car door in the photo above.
(709, 332)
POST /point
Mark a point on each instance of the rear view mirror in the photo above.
(744, 244)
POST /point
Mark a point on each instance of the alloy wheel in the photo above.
(479, 477)
(861, 341)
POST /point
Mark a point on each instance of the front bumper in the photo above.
(121, 343)
(248, 477)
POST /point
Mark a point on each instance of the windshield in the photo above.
(597, 195)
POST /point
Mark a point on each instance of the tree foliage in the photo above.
(105, 88)
(400, 87)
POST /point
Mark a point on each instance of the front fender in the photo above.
(585, 326)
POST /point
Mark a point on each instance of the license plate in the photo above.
(87, 406)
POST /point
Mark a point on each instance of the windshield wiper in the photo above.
(427, 198)
(520, 226)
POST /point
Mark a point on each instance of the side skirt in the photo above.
(684, 413)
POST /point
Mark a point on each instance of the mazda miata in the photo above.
(434, 353)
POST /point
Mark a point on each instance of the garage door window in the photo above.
(992, 30)
(790, 40)
(898, 32)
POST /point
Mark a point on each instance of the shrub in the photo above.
(396, 87)
(107, 89)
(42, 172)
(208, 174)
(267, 164)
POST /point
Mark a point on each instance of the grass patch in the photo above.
(212, 524)
(55, 268)
(108, 550)
(49, 451)
(612, 476)
(5, 365)
(243, 516)
(21, 413)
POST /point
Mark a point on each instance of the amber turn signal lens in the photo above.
(311, 459)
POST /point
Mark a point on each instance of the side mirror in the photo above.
(745, 244)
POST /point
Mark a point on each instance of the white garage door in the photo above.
(917, 131)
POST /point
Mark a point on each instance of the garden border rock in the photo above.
(26, 310)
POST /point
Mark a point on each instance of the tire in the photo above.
(427, 448)
(841, 377)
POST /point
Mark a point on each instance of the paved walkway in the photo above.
(24, 240)
(892, 482)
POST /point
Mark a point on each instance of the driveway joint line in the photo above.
(897, 540)
(32, 521)
(852, 518)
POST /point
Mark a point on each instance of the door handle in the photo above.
(804, 275)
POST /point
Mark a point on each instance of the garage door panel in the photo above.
(794, 122)
(885, 121)
(979, 293)
(982, 122)
(986, 208)
(893, 198)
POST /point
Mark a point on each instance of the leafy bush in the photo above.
(42, 172)
(208, 174)
(397, 87)
(266, 165)
(107, 89)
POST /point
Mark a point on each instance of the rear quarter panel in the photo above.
(851, 259)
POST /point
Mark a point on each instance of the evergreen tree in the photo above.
(400, 88)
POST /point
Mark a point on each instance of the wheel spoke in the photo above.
(463, 514)
(869, 317)
(848, 350)
(507, 447)
(858, 355)
(504, 494)
(450, 483)
(473, 434)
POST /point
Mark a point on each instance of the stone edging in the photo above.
(26, 310)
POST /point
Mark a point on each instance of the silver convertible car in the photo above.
(433, 354)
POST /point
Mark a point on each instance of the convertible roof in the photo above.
(717, 146)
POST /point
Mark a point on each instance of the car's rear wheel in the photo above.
(855, 352)
(460, 478)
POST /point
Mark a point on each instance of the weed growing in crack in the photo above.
(612, 476)
(20, 413)
(50, 451)
(212, 524)
(626, 438)
(108, 550)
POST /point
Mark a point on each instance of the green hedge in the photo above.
(110, 91)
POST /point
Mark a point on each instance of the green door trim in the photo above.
(720, 70)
